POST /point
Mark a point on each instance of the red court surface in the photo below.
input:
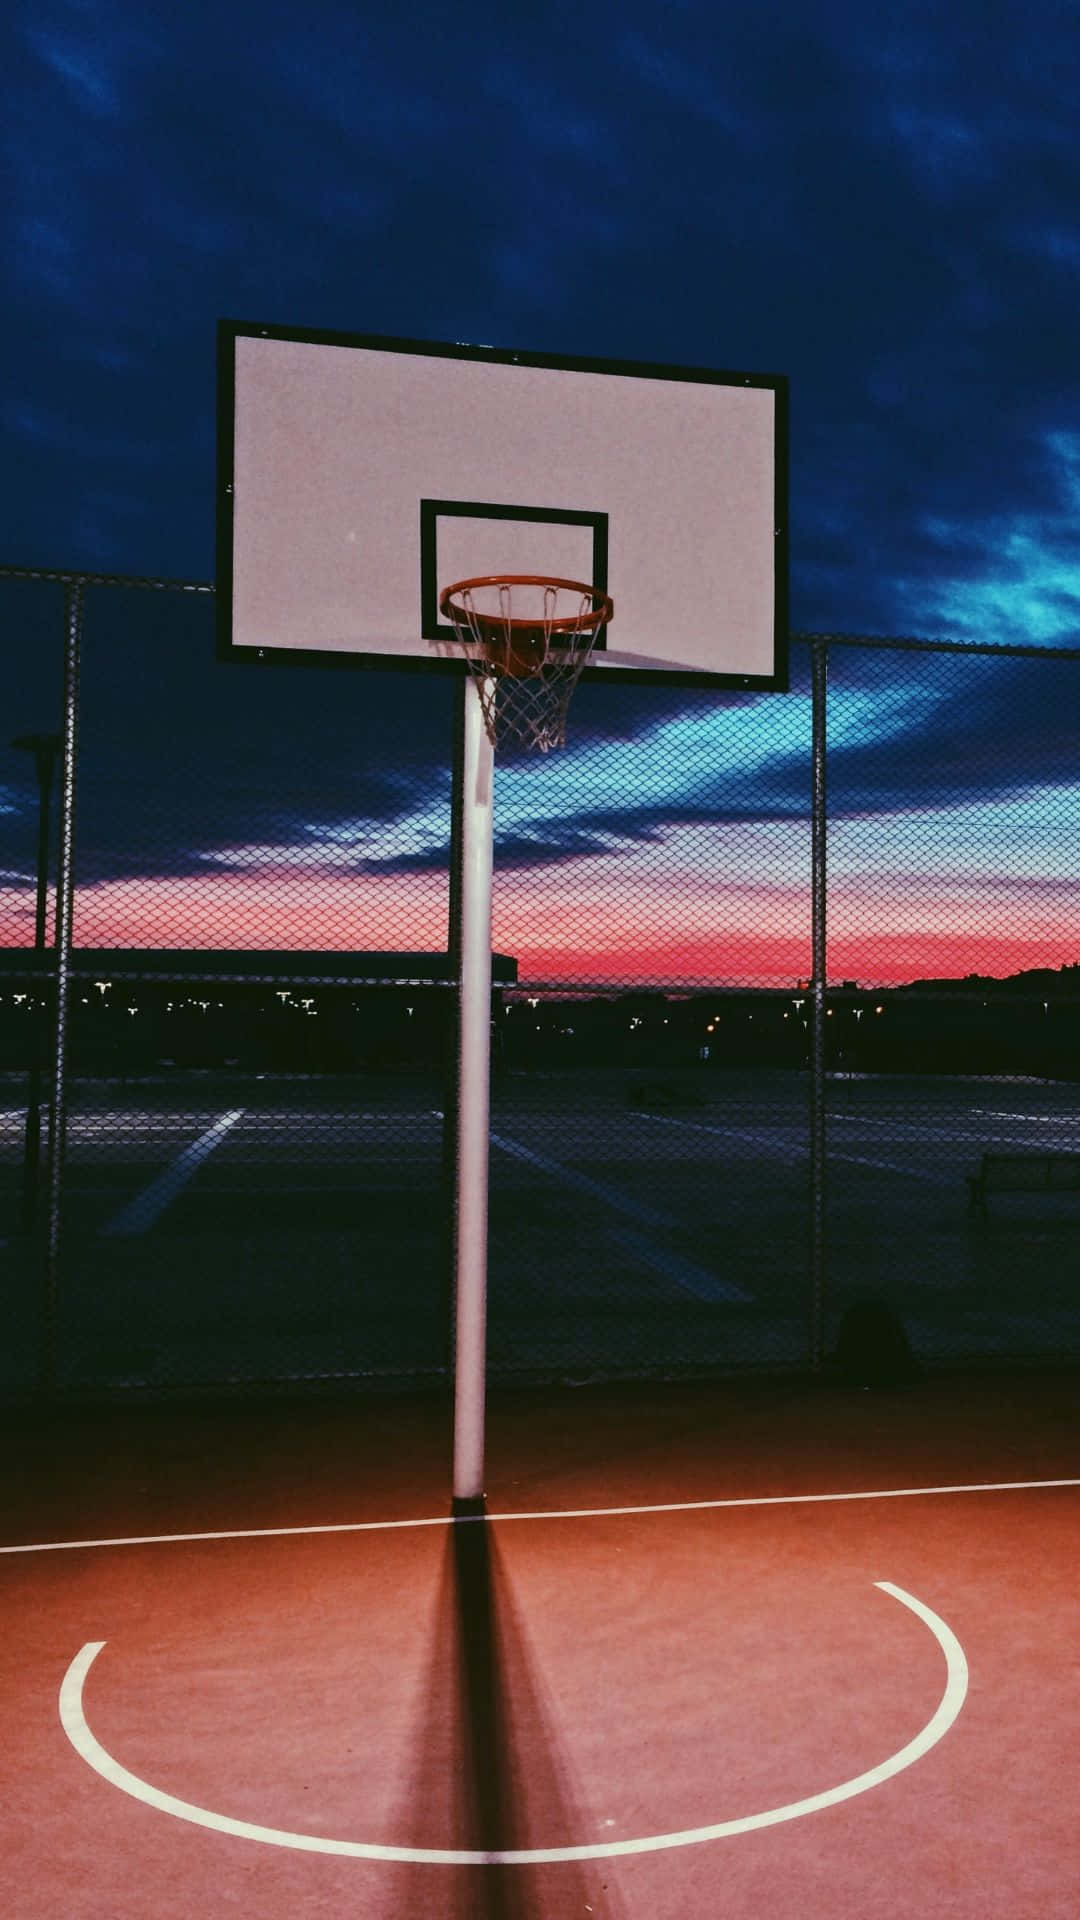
(763, 1697)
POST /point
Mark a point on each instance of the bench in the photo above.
(1023, 1173)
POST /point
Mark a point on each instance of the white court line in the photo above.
(539, 1513)
(151, 1203)
(90, 1749)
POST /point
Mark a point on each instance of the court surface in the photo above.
(728, 1649)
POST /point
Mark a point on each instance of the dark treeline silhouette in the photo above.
(131, 1014)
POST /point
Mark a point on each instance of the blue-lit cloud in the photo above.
(1009, 576)
(898, 750)
(883, 206)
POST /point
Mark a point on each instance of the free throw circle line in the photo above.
(90, 1749)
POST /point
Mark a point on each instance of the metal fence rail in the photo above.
(753, 1035)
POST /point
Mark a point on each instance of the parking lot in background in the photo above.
(218, 1226)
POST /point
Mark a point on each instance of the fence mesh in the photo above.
(952, 870)
(642, 1130)
(252, 1185)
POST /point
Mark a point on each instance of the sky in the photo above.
(880, 204)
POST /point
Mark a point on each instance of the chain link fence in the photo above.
(953, 868)
(773, 976)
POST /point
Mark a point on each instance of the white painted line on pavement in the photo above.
(791, 1150)
(939, 1178)
(771, 1139)
(150, 1204)
(664, 1260)
(569, 1177)
(699, 1281)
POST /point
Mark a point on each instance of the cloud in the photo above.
(81, 66)
(882, 206)
(1010, 576)
(949, 154)
(867, 204)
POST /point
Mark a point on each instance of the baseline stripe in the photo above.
(551, 1513)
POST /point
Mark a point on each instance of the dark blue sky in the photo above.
(880, 204)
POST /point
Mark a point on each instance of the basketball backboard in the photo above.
(359, 476)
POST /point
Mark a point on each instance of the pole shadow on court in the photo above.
(488, 1774)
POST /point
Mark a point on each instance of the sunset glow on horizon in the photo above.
(591, 921)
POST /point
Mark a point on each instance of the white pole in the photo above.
(473, 1119)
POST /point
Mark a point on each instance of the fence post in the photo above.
(819, 655)
(74, 592)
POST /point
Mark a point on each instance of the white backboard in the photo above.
(359, 476)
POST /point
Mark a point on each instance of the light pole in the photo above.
(45, 748)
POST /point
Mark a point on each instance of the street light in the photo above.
(45, 747)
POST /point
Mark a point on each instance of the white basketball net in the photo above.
(527, 642)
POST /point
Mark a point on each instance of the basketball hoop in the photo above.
(527, 638)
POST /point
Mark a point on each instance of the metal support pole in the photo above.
(473, 1120)
(74, 594)
(32, 1160)
(452, 1062)
(44, 747)
(819, 668)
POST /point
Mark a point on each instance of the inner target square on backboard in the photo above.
(462, 540)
